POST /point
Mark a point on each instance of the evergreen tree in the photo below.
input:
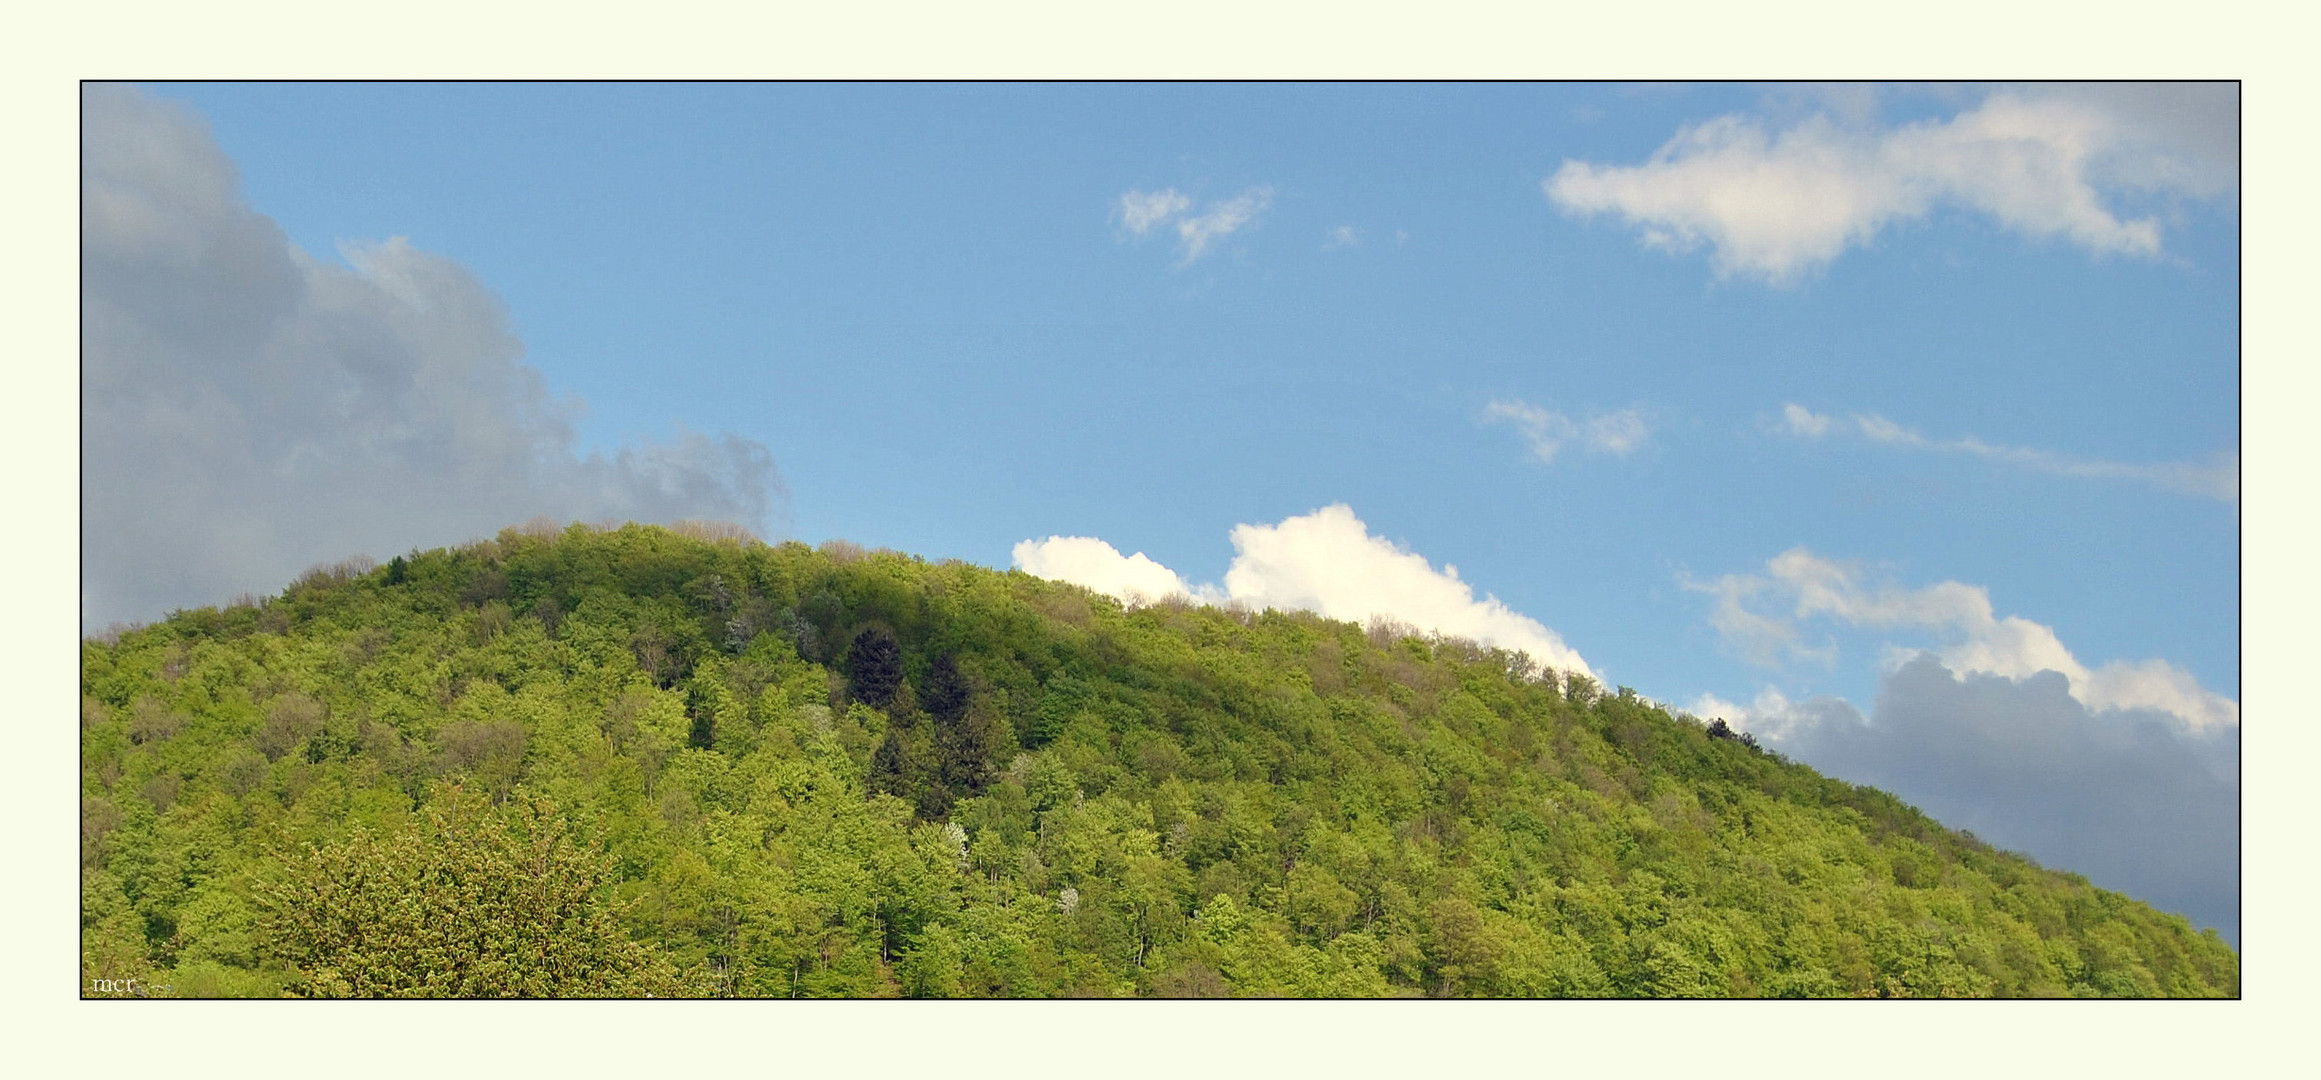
(963, 740)
(891, 766)
(874, 666)
(969, 751)
(947, 695)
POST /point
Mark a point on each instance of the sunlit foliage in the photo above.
(631, 762)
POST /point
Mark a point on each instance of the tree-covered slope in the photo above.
(639, 762)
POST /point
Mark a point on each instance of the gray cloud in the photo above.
(2172, 135)
(248, 410)
(2128, 799)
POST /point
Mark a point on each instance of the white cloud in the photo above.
(1344, 236)
(2217, 479)
(1141, 211)
(1770, 714)
(1713, 706)
(1978, 641)
(1087, 561)
(1549, 432)
(1222, 219)
(1802, 421)
(1617, 433)
(1772, 205)
(1328, 562)
(1766, 640)
(1325, 562)
(248, 411)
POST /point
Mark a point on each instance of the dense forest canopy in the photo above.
(645, 762)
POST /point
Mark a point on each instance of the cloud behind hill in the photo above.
(1762, 616)
(2127, 772)
(249, 410)
(2127, 798)
(1326, 562)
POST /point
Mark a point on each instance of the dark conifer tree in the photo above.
(890, 767)
(968, 749)
(934, 801)
(964, 747)
(874, 666)
(947, 693)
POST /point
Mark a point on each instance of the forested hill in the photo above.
(639, 762)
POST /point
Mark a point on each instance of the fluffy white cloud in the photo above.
(1328, 562)
(1087, 561)
(1800, 585)
(1549, 432)
(2128, 798)
(1325, 562)
(1773, 204)
(1344, 236)
(1141, 212)
(2217, 479)
(248, 411)
(1770, 714)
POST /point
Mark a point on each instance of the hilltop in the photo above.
(641, 761)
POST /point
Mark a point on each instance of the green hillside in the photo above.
(644, 762)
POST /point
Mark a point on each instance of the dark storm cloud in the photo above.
(2129, 799)
(248, 411)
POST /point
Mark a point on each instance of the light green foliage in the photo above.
(345, 791)
(466, 906)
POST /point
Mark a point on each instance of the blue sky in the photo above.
(1739, 393)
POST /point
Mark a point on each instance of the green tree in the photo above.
(472, 904)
